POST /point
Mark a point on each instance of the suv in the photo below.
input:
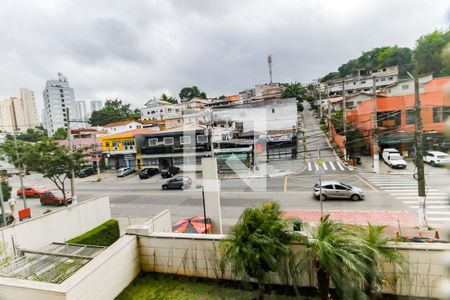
(169, 172)
(148, 172)
(338, 190)
(393, 158)
(54, 197)
(85, 172)
(178, 182)
(436, 158)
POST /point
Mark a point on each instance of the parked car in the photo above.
(85, 172)
(178, 182)
(54, 197)
(9, 219)
(32, 191)
(338, 190)
(436, 158)
(170, 171)
(122, 172)
(393, 158)
(148, 172)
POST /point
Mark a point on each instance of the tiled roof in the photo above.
(129, 133)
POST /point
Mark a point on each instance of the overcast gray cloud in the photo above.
(135, 50)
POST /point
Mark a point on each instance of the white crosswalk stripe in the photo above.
(405, 190)
(328, 166)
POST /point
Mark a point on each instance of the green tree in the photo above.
(113, 111)
(338, 255)
(31, 135)
(169, 99)
(48, 158)
(429, 53)
(187, 93)
(258, 244)
(60, 134)
(6, 190)
(294, 90)
(377, 250)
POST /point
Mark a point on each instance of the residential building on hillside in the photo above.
(19, 112)
(396, 118)
(247, 94)
(122, 126)
(202, 117)
(406, 86)
(261, 91)
(119, 150)
(363, 82)
(260, 116)
(160, 110)
(58, 97)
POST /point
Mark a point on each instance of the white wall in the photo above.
(162, 222)
(198, 255)
(104, 277)
(57, 226)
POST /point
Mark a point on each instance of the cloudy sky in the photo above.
(135, 50)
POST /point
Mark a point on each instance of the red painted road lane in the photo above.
(388, 218)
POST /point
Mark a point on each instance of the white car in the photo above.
(122, 172)
(393, 158)
(436, 158)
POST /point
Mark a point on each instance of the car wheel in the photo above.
(355, 197)
(164, 187)
(182, 187)
(322, 197)
(433, 163)
(36, 195)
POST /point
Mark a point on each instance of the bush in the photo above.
(6, 190)
(104, 235)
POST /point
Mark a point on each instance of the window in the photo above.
(405, 86)
(273, 110)
(339, 187)
(445, 113)
(383, 79)
(107, 144)
(152, 142)
(410, 116)
(185, 140)
(391, 78)
(363, 81)
(437, 114)
(328, 186)
(202, 139)
(115, 145)
(168, 141)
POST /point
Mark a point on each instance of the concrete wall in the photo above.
(57, 226)
(162, 222)
(102, 278)
(198, 255)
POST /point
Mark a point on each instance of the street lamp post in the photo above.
(204, 207)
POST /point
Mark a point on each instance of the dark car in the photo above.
(9, 219)
(54, 197)
(85, 172)
(178, 182)
(148, 172)
(169, 172)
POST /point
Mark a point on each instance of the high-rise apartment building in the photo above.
(19, 112)
(80, 114)
(96, 105)
(58, 97)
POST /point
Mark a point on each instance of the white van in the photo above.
(393, 158)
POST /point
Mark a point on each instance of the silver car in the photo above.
(338, 190)
(122, 172)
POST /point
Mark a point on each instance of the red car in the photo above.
(32, 191)
(54, 197)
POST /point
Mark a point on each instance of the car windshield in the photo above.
(346, 186)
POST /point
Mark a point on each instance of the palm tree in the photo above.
(293, 90)
(336, 253)
(377, 250)
(258, 244)
(169, 99)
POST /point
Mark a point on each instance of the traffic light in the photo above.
(260, 146)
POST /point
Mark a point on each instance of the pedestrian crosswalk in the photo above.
(331, 166)
(405, 190)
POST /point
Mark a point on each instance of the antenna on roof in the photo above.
(269, 61)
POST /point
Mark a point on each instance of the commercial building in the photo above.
(58, 97)
(80, 114)
(396, 118)
(122, 126)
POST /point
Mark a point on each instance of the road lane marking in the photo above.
(408, 190)
(309, 166)
(367, 183)
(415, 194)
(431, 197)
(438, 212)
(438, 219)
(427, 201)
(340, 166)
(332, 166)
(324, 165)
(285, 183)
(435, 207)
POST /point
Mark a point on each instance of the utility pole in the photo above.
(319, 163)
(329, 112)
(99, 178)
(376, 152)
(344, 119)
(13, 116)
(2, 204)
(320, 100)
(69, 137)
(419, 151)
(269, 61)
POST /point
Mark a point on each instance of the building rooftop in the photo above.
(120, 123)
(129, 133)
